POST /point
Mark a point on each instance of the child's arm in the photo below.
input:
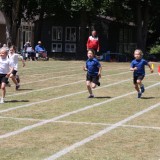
(23, 62)
(100, 71)
(84, 68)
(150, 68)
(133, 69)
(11, 70)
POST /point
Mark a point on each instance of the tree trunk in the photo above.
(16, 18)
(40, 21)
(142, 24)
(39, 27)
(8, 29)
(13, 19)
(145, 24)
(139, 25)
(81, 52)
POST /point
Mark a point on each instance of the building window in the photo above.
(57, 33)
(70, 34)
(70, 47)
(25, 34)
(56, 47)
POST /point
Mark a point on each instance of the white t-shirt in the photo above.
(14, 59)
(5, 65)
(29, 49)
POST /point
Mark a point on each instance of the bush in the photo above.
(155, 49)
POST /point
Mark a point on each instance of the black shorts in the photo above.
(14, 72)
(94, 79)
(135, 78)
(3, 78)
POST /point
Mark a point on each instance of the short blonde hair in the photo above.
(139, 51)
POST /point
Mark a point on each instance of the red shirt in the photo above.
(93, 43)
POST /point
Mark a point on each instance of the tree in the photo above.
(12, 11)
(138, 11)
(85, 9)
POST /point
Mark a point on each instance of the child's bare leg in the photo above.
(93, 85)
(3, 88)
(139, 82)
(88, 83)
(14, 79)
(141, 86)
(137, 88)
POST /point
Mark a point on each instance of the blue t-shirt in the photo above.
(93, 66)
(39, 48)
(140, 64)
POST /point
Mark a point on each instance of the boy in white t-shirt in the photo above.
(13, 57)
(6, 68)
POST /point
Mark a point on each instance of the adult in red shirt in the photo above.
(93, 42)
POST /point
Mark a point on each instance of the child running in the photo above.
(93, 68)
(6, 68)
(138, 68)
(13, 57)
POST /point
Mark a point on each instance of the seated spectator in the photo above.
(41, 50)
(29, 50)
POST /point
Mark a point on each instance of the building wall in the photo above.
(113, 36)
(68, 43)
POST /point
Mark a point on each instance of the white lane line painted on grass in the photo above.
(55, 72)
(39, 74)
(100, 133)
(61, 97)
(50, 67)
(46, 88)
(107, 124)
(141, 127)
(22, 119)
(27, 128)
(68, 76)
(42, 89)
(81, 123)
(64, 76)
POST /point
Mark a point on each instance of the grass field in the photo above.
(50, 117)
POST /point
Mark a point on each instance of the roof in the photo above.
(2, 19)
(114, 19)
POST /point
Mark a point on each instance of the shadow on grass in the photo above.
(102, 97)
(24, 89)
(147, 97)
(15, 101)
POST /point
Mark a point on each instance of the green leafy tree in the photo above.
(141, 12)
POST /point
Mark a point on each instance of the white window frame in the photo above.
(72, 37)
(57, 28)
(69, 49)
(57, 48)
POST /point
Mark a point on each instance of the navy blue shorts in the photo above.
(91, 78)
(135, 78)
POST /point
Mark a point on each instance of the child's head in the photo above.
(12, 49)
(3, 52)
(91, 54)
(94, 33)
(138, 54)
